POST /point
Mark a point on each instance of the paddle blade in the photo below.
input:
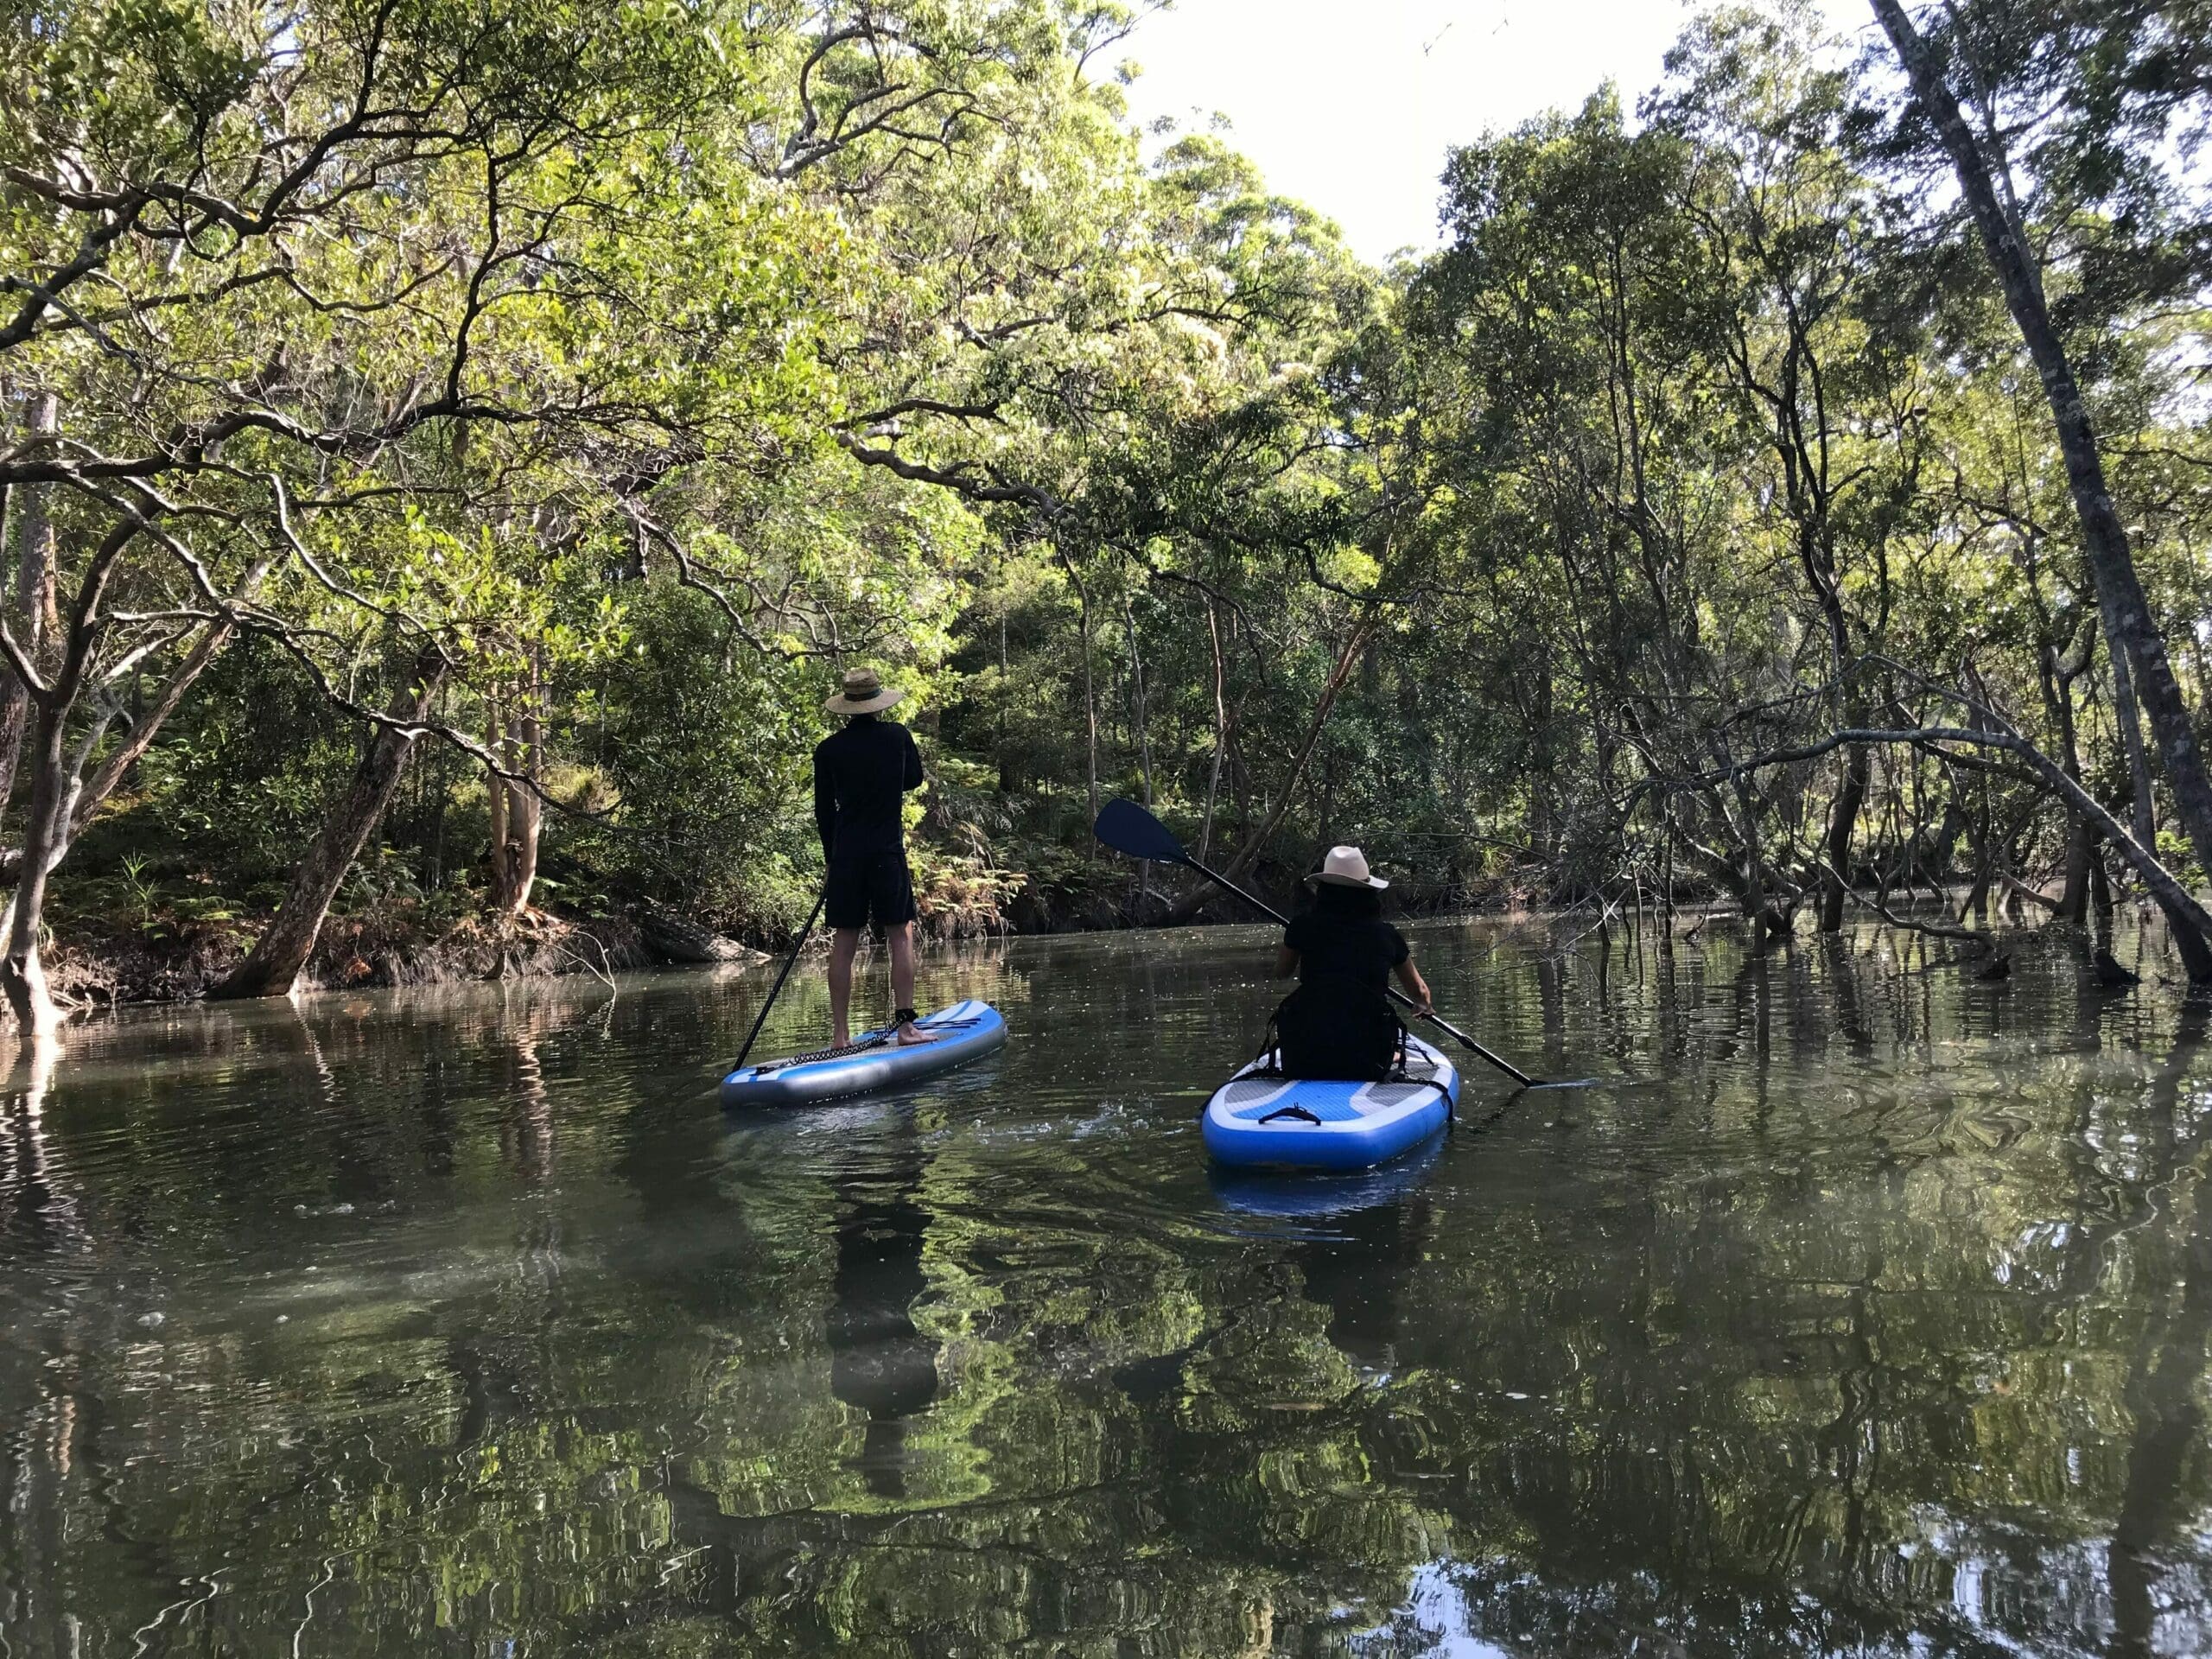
(1127, 828)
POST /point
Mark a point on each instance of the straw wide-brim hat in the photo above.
(862, 693)
(1346, 866)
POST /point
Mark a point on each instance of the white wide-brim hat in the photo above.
(1346, 866)
(862, 693)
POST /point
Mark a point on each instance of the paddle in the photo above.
(1127, 828)
(782, 973)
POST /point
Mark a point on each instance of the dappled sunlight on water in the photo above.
(1857, 1306)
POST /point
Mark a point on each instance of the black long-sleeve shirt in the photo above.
(860, 772)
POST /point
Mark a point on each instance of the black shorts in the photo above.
(869, 886)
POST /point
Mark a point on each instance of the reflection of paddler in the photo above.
(1376, 1222)
(1357, 1274)
(879, 1363)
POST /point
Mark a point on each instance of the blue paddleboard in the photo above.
(1255, 1121)
(875, 1060)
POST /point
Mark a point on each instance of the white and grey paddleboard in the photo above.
(875, 1059)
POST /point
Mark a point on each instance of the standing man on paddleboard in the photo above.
(861, 772)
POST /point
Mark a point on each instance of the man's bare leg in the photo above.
(843, 942)
(901, 941)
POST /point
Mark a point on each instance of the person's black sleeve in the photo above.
(913, 774)
(1399, 948)
(825, 803)
(1294, 934)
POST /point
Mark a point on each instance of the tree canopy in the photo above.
(452, 448)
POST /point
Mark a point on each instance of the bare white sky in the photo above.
(1350, 105)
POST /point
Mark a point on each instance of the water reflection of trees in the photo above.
(1885, 1321)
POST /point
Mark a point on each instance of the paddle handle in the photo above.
(1445, 1026)
(1397, 996)
(782, 973)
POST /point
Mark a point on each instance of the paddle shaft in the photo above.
(1395, 995)
(782, 973)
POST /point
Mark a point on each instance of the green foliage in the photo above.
(707, 757)
(243, 775)
(641, 365)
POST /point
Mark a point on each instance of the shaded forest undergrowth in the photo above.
(140, 929)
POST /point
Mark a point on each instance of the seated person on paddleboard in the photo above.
(861, 772)
(1340, 1023)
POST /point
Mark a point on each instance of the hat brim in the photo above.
(842, 704)
(1375, 881)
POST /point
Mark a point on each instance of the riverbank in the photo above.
(107, 968)
(122, 945)
(168, 952)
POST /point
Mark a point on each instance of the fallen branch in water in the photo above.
(2034, 896)
(1976, 936)
(606, 973)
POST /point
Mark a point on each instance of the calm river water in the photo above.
(1869, 1316)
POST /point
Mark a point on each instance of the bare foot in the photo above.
(911, 1036)
(840, 1039)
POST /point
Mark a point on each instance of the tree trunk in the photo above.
(23, 976)
(57, 817)
(495, 801)
(2120, 590)
(517, 812)
(1136, 690)
(33, 596)
(1819, 562)
(1754, 894)
(1843, 823)
(1220, 729)
(46, 826)
(1010, 782)
(1240, 772)
(1089, 688)
(1142, 717)
(274, 965)
(1536, 826)
(526, 810)
(2073, 895)
(1934, 852)
(80, 800)
(2142, 810)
